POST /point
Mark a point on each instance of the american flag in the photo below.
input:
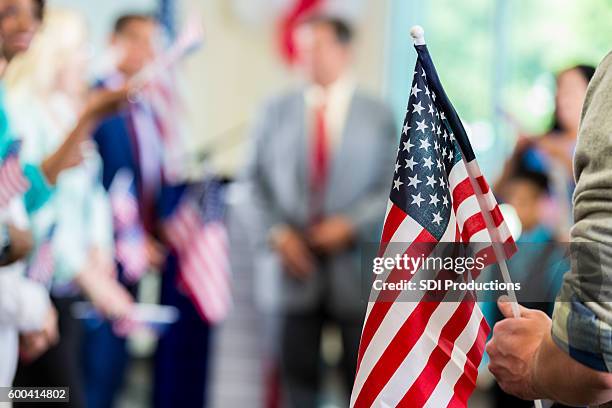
(159, 100)
(12, 179)
(41, 265)
(426, 353)
(197, 232)
(130, 244)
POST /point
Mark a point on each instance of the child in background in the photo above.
(540, 262)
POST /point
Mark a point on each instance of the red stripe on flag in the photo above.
(497, 216)
(392, 222)
(428, 379)
(379, 309)
(467, 382)
(472, 225)
(461, 192)
(397, 350)
(482, 183)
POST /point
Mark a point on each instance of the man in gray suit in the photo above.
(321, 171)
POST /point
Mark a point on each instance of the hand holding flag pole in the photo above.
(418, 35)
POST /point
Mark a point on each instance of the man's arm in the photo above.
(561, 378)
(527, 362)
(569, 359)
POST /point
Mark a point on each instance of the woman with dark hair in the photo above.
(571, 90)
(545, 219)
(552, 153)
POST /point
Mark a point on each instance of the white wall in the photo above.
(101, 14)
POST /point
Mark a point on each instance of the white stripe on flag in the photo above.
(417, 359)
(390, 325)
(454, 368)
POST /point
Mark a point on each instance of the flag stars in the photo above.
(437, 218)
(433, 199)
(407, 146)
(414, 181)
(436, 146)
(445, 201)
(433, 96)
(421, 126)
(410, 163)
(442, 182)
(431, 181)
(450, 156)
(431, 109)
(397, 183)
(397, 166)
(424, 144)
(427, 162)
(442, 116)
(415, 90)
(417, 199)
(406, 129)
(418, 108)
(438, 164)
(427, 91)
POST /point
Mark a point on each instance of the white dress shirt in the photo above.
(336, 99)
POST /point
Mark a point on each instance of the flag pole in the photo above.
(418, 35)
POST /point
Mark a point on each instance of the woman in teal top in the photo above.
(46, 89)
(40, 190)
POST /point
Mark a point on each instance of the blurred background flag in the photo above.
(157, 95)
(196, 231)
(131, 250)
(427, 353)
(41, 265)
(12, 179)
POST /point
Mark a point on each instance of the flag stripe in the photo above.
(388, 358)
(466, 384)
(380, 309)
(203, 253)
(423, 387)
(454, 371)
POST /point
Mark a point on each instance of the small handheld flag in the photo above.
(130, 241)
(426, 353)
(12, 180)
(42, 263)
(196, 230)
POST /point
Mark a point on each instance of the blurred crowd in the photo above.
(86, 191)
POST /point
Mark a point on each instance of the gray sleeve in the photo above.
(367, 214)
(583, 313)
(254, 177)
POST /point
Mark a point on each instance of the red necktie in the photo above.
(319, 164)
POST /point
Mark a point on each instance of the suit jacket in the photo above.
(358, 186)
